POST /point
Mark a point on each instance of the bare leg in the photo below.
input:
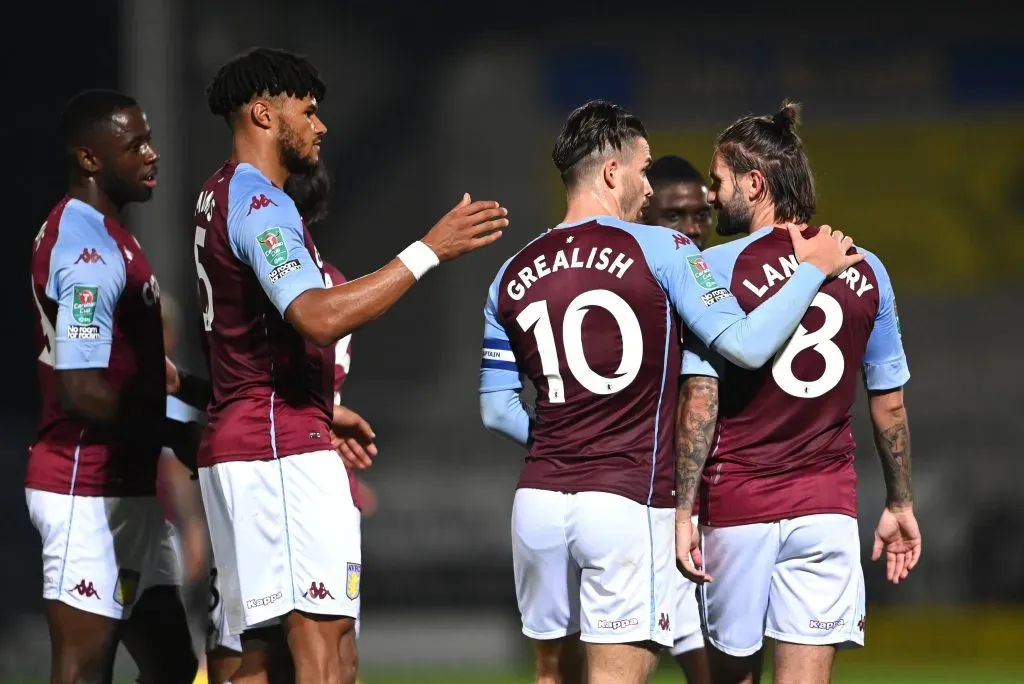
(802, 664)
(323, 648)
(695, 666)
(559, 661)
(82, 645)
(621, 663)
(221, 664)
(158, 638)
(727, 669)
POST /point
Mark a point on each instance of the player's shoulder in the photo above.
(654, 240)
(252, 198)
(729, 252)
(80, 232)
(871, 260)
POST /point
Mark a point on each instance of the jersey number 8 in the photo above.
(820, 341)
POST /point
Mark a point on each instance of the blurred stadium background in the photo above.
(914, 126)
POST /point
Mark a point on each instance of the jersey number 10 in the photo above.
(536, 316)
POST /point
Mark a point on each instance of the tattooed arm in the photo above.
(892, 440)
(695, 429)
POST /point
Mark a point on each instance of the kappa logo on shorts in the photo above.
(352, 577)
(827, 626)
(265, 601)
(617, 624)
(127, 587)
(860, 623)
(316, 592)
(85, 589)
(663, 622)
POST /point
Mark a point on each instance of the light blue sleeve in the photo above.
(885, 362)
(692, 282)
(270, 241)
(181, 412)
(498, 368)
(699, 360)
(86, 280)
(503, 412)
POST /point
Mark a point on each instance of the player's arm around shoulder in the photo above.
(86, 280)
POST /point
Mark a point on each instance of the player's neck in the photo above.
(264, 157)
(763, 216)
(86, 190)
(586, 203)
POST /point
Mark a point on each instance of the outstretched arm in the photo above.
(325, 315)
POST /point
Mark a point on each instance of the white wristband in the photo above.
(418, 258)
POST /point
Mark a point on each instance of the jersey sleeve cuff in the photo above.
(695, 365)
(283, 299)
(888, 375)
(81, 355)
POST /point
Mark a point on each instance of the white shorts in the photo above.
(800, 579)
(686, 630)
(595, 563)
(99, 552)
(285, 537)
(167, 568)
(217, 634)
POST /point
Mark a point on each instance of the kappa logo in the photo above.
(264, 601)
(680, 240)
(663, 622)
(89, 255)
(826, 625)
(261, 202)
(318, 592)
(85, 589)
(617, 624)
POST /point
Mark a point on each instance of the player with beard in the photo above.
(778, 497)
(310, 192)
(679, 200)
(593, 517)
(104, 378)
(284, 528)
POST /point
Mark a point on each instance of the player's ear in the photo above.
(87, 159)
(756, 185)
(610, 172)
(259, 112)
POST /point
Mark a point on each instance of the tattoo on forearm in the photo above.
(893, 445)
(695, 430)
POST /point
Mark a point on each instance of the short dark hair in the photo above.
(770, 145)
(87, 111)
(262, 71)
(594, 127)
(673, 169)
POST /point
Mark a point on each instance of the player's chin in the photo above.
(143, 193)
